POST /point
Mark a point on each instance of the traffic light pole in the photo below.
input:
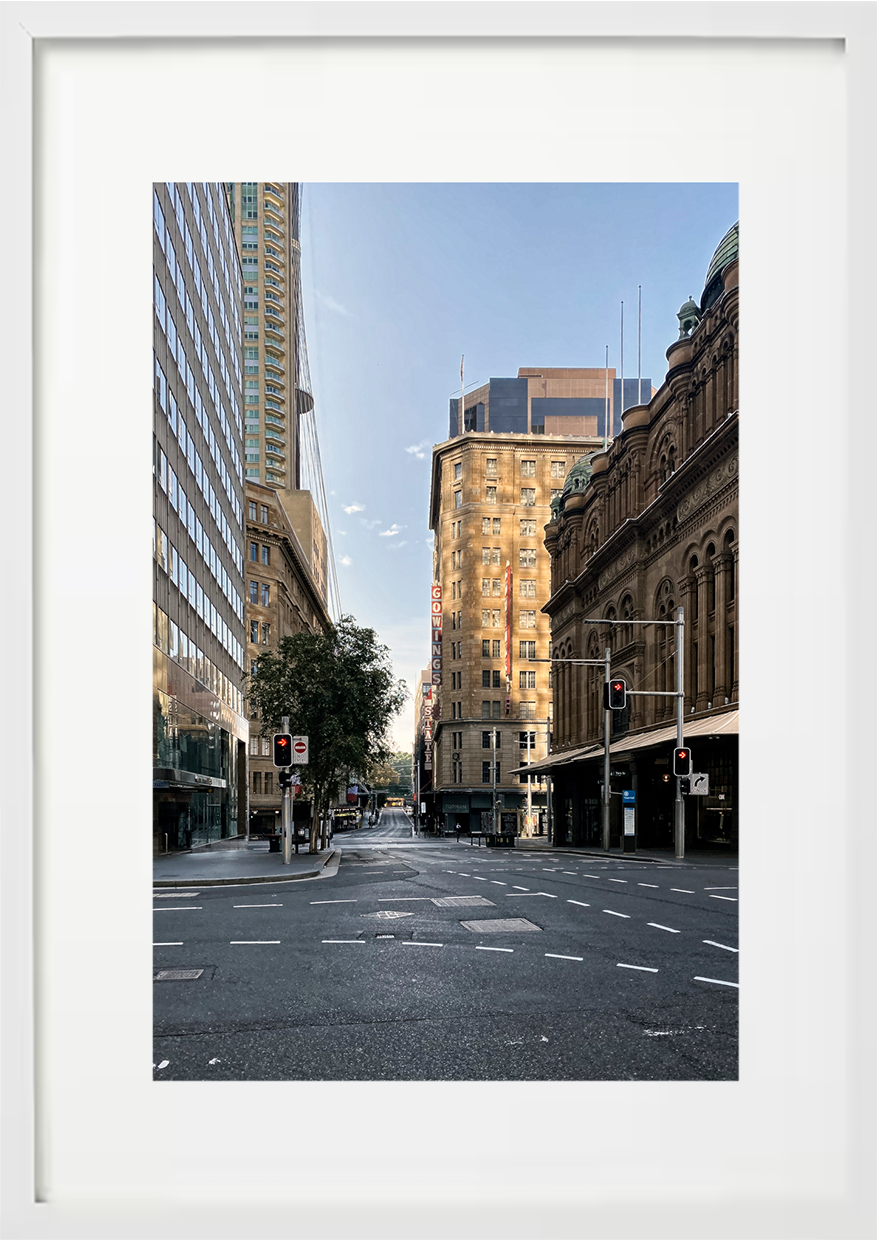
(607, 765)
(286, 812)
(680, 724)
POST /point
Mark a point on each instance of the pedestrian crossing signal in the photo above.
(682, 763)
(282, 749)
(615, 694)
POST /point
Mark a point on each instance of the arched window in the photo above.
(731, 591)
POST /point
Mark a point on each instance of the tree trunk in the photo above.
(315, 823)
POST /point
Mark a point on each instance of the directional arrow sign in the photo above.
(300, 750)
(699, 785)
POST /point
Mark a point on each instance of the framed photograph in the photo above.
(98, 103)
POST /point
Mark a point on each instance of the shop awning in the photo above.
(726, 723)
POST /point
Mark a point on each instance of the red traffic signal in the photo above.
(681, 763)
(282, 749)
(615, 694)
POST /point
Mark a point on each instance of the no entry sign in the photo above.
(300, 750)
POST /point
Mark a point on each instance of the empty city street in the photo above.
(425, 959)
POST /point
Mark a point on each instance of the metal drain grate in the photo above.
(458, 901)
(500, 925)
(177, 975)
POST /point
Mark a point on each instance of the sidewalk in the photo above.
(232, 862)
(665, 856)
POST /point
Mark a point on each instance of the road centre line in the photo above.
(179, 908)
(414, 943)
(733, 899)
(332, 901)
(554, 956)
(257, 906)
(167, 944)
(612, 914)
(581, 902)
(494, 949)
(658, 927)
(642, 967)
(684, 890)
(717, 982)
(342, 940)
(250, 942)
(723, 946)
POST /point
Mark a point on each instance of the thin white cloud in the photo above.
(396, 546)
(392, 531)
(370, 525)
(417, 449)
(345, 560)
(332, 304)
(351, 508)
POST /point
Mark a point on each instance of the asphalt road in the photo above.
(395, 966)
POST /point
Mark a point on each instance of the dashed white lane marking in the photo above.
(413, 943)
(655, 885)
(617, 880)
(684, 890)
(333, 901)
(549, 870)
(733, 899)
(546, 893)
(342, 940)
(554, 956)
(568, 872)
(479, 880)
(517, 888)
(720, 888)
(613, 914)
(498, 882)
(180, 944)
(717, 982)
(581, 902)
(388, 899)
(643, 968)
(173, 895)
(250, 942)
(659, 927)
(257, 906)
(179, 908)
(590, 876)
(463, 874)
(494, 949)
(723, 946)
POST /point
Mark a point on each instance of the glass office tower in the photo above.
(199, 728)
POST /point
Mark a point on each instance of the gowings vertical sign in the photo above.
(436, 633)
(508, 637)
(426, 725)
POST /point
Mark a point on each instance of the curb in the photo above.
(241, 880)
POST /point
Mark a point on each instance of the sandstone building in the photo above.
(640, 529)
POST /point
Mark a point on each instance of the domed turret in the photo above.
(576, 481)
(689, 317)
(726, 251)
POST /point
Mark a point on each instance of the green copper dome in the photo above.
(726, 251)
(576, 481)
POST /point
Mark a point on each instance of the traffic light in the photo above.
(615, 694)
(282, 749)
(284, 779)
(682, 763)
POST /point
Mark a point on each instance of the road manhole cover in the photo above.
(177, 975)
(500, 925)
(387, 914)
(458, 901)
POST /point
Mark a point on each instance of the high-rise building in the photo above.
(199, 728)
(490, 500)
(549, 401)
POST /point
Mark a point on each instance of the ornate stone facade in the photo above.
(655, 527)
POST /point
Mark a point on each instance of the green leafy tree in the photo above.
(338, 689)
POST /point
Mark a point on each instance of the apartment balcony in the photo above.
(271, 213)
(270, 329)
(271, 265)
(280, 242)
(275, 364)
(275, 456)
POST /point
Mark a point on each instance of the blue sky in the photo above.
(399, 280)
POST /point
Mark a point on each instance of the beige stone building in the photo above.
(489, 503)
(282, 598)
(639, 530)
